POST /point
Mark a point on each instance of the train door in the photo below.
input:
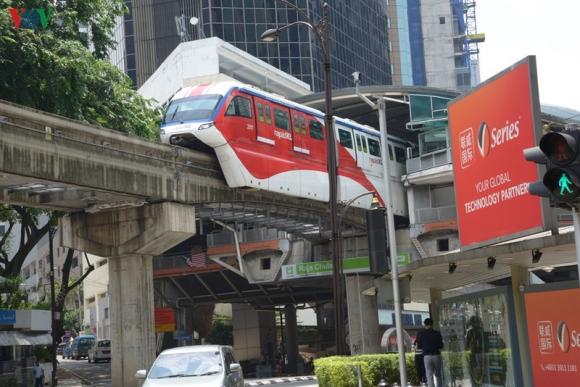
(285, 176)
(347, 163)
(264, 124)
(241, 121)
(299, 134)
(397, 160)
(362, 158)
(313, 177)
(375, 164)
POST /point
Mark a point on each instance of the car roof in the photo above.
(194, 348)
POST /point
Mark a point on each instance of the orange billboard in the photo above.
(553, 320)
(489, 128)
(164, 320)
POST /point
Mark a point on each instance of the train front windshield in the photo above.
(199, 107)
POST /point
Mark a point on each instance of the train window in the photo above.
(364, 144)
(358, 143)
(240, 106)
(260, 112)
(316, 130)
(374, 148)
(400, 155)
(345, 138)
(281, 119)
(267, 114)
(299, 124)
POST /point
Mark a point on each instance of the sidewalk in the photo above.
(67, 378)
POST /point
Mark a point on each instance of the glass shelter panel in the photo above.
(477, 341)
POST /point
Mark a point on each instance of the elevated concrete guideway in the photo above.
(47, 161)
(130, 200)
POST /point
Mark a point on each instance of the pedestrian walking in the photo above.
(420, 364)
(430, 341)
(38, 375)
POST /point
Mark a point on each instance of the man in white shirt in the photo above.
(38, 375)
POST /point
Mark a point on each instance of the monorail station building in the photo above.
(270, 259)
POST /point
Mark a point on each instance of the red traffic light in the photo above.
(560, 148)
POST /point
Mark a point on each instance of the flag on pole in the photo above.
(196, 260)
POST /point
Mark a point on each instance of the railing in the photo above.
(251, 235)
(178, 262)
(435, 214)
(429, 160)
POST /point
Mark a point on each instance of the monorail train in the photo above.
(267, 142)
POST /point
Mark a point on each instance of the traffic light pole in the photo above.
(576, 218)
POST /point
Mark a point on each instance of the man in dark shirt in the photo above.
(431, 342)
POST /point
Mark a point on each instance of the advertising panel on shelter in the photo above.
(489, 128)
(554, 335)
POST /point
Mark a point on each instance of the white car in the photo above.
(100, 350)
(198, 365)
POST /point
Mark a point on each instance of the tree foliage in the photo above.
(53, 69)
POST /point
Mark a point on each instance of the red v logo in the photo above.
(16, 16)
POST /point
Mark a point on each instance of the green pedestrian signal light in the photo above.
(560, 153)
(564, 183)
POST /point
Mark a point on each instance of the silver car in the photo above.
(198, 365)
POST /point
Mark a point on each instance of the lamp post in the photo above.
(382, 108)
(322, 31)
(54, 317)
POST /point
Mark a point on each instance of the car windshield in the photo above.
(85, 342)
(104, 343)
(199, 107)
(186, 364)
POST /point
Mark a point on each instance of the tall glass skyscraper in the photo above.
(360, 40)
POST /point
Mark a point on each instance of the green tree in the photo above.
(221, 333)
(53, 69)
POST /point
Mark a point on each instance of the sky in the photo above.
(548, 29)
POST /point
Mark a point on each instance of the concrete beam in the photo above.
(149, 230)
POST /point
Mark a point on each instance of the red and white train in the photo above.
(267, 142)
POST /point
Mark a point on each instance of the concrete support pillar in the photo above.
(132, 322)
(363, 315)
(254, 333)
(130, 237)
(433, 308)
(291, 330)
(520, 278)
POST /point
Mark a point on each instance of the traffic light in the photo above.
(560, 152)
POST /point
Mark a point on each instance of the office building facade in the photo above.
(435, 43)
(360, 40)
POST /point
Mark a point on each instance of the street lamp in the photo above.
(321, 29)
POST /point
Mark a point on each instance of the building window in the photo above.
(442, 196)
(265, 263)
(441, 19)
(75, 262)
(106, 310)
(443, 244)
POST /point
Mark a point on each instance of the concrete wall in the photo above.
(34, 320)
(96, 298)
(253, 331)
(363, 315)
(438, 44)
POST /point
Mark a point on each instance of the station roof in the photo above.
(347, 104)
